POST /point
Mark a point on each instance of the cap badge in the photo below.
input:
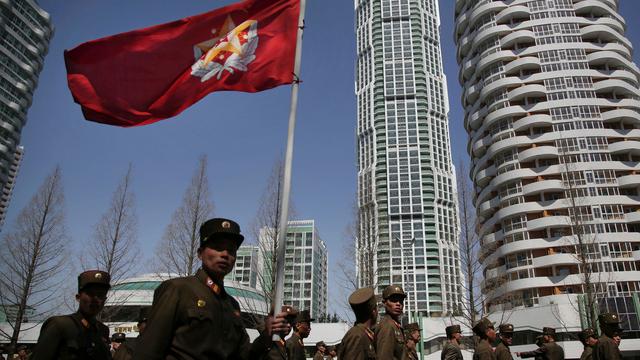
(98, 276)
(226, 225)
(201, 303)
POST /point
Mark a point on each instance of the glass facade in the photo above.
(406, 182)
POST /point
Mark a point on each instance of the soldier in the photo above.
(320, 349)
(389, 335)
(117, 339)
(549, 350)
(357, 343)
(412, 334)
(295, 344)
(506, 339)
(279, 350)
(22, 353)
(487, 334)
(589, 340)
(607, 347)
(79, 335)
(451, 349)
(331, 353)
(193, 317)
(126, 349)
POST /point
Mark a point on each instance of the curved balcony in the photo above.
(484, 176)
(633, 217)
(503, 55)
(524, 35)
(542, 186)
(616, 86)
(608, 58)
(533, 90)
(513, 12)
(539, 152)
(523, 63)
(488, 207)
(555, 259)
(629, 181)
(625, 147)
(537, 120)
(548, 222)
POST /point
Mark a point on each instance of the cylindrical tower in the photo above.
(552, 109)
(25, 32)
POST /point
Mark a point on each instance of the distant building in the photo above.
(24, 42)
(246, 269)
(306, 266)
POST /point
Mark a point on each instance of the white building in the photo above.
(552, 108)
(305, 266)
(24, 42)
(7, 189)
(406, 183)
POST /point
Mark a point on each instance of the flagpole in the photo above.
(284, 204)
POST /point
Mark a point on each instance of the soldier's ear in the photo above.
(78, 296)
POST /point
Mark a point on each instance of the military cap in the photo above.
(362, 299)
(304, 316)
(452, 329)
(393, 290)
(409, 328)
(91, 277)
(610, 321)
(548, 331)
(218, 227)
(481, 327)
(506, 328)
(21, 347)
(143, 314)
(587, 333)
(320, 343)
(290, 311)
(118, 337)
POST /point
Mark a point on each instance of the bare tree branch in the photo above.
(177, 251)
(34, 255)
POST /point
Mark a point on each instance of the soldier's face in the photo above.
(91, 300)
(304, 329)
(617, 339)
(507, 338)
(394, 305)
(218, 256)
(491, 334)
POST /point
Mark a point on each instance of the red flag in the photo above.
(142, 76)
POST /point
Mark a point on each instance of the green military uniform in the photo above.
(451, 351)
(502, 350)
(390, 342)
(277, 352)
(546, 351)
(74, 336)
(318, 356)
(194, 318)
(295, 348)
(484, 351)
(357, 344)
(411, 353)
(607, 348)
(587, 354)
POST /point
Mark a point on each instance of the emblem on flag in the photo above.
(231, 49)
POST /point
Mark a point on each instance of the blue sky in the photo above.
(242, 134)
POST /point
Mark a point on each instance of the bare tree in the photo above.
(472, 304)
(114, 247)
(34, 255)
(177, 251)
(264, 228)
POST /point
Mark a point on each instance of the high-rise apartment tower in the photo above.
(406, 184)
(24, 41)
(552, 108)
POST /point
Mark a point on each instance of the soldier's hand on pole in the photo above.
(278, 324)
